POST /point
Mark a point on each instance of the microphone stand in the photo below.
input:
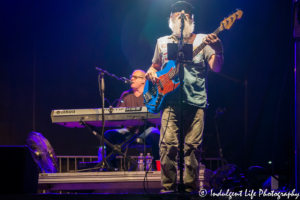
(180, 56)
(219, 112)
(103, 164)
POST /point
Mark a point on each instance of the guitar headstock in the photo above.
(227, 23)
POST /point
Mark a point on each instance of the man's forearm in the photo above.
(216, 62)
(151, 68)
(154, 67)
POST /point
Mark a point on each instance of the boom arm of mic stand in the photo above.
(125, 80)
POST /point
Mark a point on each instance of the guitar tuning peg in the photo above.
(238, 9)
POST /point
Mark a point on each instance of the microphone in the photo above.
(125, 80)
(182, 16)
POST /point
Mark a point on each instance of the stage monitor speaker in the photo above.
(19, 172)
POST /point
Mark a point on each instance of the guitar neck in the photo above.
(202, 45)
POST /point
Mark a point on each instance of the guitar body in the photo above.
(154, 95)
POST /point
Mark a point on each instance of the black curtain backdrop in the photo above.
(49, 51)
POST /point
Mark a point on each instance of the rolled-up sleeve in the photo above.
(157, 57)
(208, 52)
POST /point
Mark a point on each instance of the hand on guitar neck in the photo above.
(215, 43)
(216, 61)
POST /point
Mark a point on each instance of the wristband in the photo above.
(219, 54)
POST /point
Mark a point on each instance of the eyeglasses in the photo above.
(135, 77)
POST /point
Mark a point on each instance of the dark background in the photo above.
(49, 51)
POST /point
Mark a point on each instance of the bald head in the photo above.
(139, 72)
(138, 79)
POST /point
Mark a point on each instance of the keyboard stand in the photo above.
(116, 149)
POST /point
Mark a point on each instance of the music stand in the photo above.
(187, 51)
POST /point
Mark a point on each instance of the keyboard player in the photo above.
(134, 98)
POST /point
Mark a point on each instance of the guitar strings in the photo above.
(164, 80)
(175, 70)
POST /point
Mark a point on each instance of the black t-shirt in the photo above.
(128, 99)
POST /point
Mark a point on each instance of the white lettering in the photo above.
(252, 194)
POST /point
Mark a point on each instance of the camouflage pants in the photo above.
(193, 122)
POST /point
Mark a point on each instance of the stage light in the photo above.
(270, 162)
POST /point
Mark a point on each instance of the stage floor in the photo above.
(106, 182)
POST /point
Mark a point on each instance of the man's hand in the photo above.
(151, 75)
(215, 43)
(216, 60)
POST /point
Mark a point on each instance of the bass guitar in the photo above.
(154, 94)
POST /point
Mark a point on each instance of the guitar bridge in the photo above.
(147, 97)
